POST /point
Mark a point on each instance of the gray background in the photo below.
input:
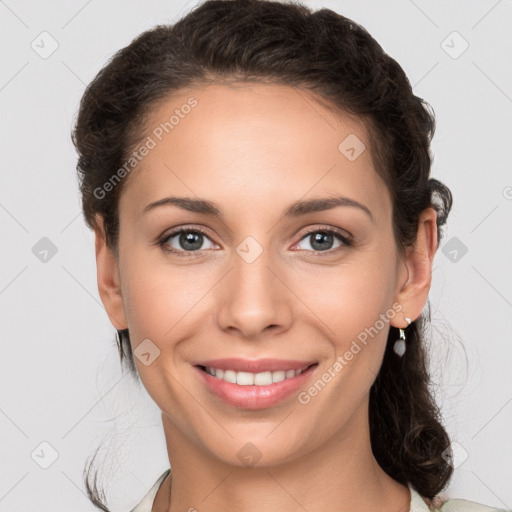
(60, 376)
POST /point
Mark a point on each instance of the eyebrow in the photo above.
(296, 209)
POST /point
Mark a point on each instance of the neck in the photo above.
(340, 475)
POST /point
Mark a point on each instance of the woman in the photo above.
(257, 177)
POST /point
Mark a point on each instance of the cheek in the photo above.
(353, 303)
(159, 296)
(356, 291)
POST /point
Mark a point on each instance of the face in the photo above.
(252, 278)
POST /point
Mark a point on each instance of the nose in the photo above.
(253, 298)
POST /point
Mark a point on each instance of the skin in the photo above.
(254, 149)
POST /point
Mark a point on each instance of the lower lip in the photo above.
(255, 397)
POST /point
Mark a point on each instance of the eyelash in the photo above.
(162, 242)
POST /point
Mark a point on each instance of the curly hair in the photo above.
(327, 54)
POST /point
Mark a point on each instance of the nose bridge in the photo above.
(252, 281)
(252, 275)
(252, 296)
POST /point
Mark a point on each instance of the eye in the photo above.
(189, 241)
(323, 239)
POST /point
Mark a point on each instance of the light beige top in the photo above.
(417, 503)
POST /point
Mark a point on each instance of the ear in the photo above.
(109, 284)
(413, 293)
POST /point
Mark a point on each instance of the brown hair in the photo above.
(329, 55)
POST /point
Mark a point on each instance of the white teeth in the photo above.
(278, 376)
(252, 379)
(244, 378)
(264, 378)
(229, 375)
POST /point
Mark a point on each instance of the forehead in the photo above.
(253, 141)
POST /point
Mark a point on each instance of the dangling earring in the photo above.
(399, 346)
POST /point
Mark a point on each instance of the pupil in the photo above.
(188, 238)
(318, 238)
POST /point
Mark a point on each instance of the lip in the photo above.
(254, 397)
(255, 365)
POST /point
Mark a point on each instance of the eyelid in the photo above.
(346, 241)
(319, 228)
(162, 239)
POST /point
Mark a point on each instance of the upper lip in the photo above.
(255, 365)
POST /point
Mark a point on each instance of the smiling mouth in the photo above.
(266, 378)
